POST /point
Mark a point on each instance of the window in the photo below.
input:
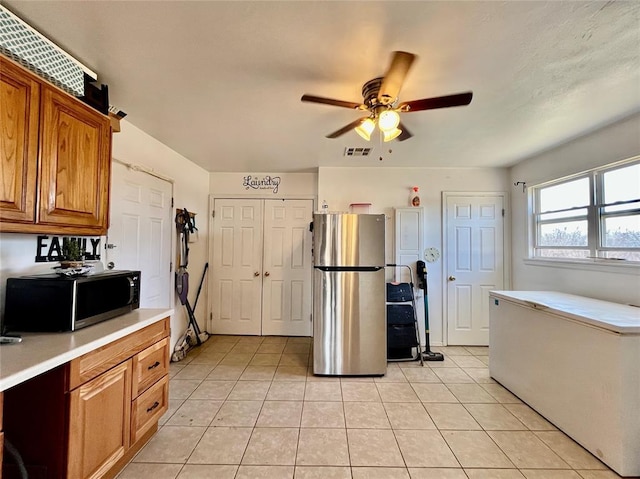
(592, 215)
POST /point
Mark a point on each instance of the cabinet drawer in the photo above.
(150, 365)
(148, 408)
(91, 365)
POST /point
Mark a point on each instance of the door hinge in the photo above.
(172, 201)
(170, 266)
(503, 212)
(213, 213)
(211, 316)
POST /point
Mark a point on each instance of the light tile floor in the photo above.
(250, 407)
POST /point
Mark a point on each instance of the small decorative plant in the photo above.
(72, 255)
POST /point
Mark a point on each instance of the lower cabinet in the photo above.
(88, 418)
(99, 429)
(1, 449)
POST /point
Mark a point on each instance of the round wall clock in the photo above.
(431, 254)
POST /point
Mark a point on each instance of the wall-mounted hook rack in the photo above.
(524, 185)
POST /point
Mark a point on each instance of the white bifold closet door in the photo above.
(261, 267)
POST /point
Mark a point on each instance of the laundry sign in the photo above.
(49, 248)
(261, 183)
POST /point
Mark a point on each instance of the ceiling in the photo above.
(220, 81)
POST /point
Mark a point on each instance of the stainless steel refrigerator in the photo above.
(349, 309)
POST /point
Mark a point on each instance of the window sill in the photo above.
(603, 265)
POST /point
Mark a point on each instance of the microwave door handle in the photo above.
(131, 290)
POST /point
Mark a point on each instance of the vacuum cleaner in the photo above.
(421, 272)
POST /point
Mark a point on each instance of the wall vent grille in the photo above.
(352, 151)
(28, 47)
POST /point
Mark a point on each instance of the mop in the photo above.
(427, 355)
(192, 336)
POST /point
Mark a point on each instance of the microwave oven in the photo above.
(49, 302)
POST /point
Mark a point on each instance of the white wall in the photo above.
(289, 185)
(190, 190)
(611, 144)
(386, 188)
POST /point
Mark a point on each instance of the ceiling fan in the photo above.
(381, 100)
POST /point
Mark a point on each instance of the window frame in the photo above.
(595, 216)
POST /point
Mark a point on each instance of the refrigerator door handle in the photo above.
(360, 269)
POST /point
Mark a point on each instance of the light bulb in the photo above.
(391, 134)
(365, 128)
(388, 120)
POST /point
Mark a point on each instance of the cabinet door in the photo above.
(99, 432)
(19, 116)
(75, 164)
(1, 433)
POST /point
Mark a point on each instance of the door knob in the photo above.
(267, 273)
(452, 278)
(257, 273)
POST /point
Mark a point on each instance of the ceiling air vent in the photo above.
(357, 151)
(25, 45)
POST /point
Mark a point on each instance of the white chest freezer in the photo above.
(576, 361)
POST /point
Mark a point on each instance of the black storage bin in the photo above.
(399, 292)
(399, 353)
(403, 338)
(401, 332)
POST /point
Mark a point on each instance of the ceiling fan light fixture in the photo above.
(388, 120)
(365, 129)
(391, 134)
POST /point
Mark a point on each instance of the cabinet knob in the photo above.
(257, 273)
(153, 366)
(452, 278)
(267, 274)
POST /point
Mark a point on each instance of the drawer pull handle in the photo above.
(155, 405)
(153, 366)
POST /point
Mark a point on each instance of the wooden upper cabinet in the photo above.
(19, 116)
(55, 158)
(74, 163)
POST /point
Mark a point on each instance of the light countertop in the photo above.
(41, 352)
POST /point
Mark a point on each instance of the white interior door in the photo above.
(139, 236)
(261, 267)
(474, 238)
(286, 297)
(237, 267)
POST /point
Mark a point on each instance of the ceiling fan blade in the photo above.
(460, 99)
(347, 128)
(331, 101)
(406, 134)
(394, 78)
